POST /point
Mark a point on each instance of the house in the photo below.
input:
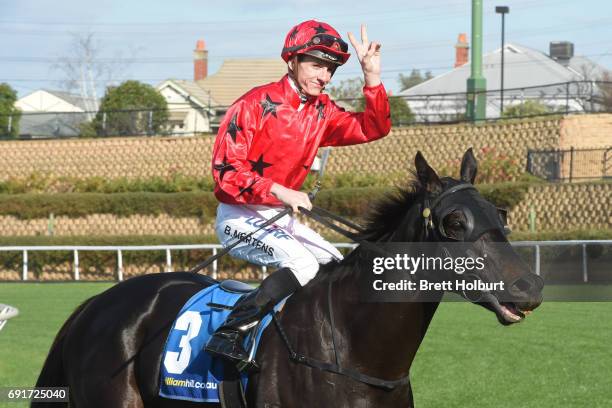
(54, 113)
(198, 105)
(528, 74)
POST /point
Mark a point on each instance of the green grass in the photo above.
(560, 356)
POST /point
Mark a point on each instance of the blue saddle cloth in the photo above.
(187, 371)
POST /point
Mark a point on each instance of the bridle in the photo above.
(429, 207)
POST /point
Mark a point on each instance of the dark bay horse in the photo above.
(109, 351)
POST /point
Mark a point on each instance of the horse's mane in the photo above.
(382, 219)
(386, 214)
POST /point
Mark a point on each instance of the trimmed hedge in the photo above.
(351, 202)
(75, 205)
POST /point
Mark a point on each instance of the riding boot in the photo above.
(227, 341)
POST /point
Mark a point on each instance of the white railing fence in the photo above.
(214, 248)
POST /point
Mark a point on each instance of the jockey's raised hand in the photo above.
(368, 54)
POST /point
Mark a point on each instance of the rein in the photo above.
(388, 385)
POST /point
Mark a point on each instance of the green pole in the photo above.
(476, 83)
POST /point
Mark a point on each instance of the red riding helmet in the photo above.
(317, 39)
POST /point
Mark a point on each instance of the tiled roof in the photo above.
(73, 99)
(238, 76)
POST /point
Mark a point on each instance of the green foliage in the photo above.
(74, 205)
(132, 108)
(348, 91)
(45, 183)
(562, 235)
(88, 129)
(493, 167)
(415, 78)
(8, 112)
(348, 201)
(527, 108)
(401, 114)
(605, 90)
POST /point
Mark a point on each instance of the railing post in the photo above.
(264, 272)
(537, 260)
(567, 85)
(215, 264)
(76, 266)
(585, 273)
(24, 274)
(571, 169)
(150, 123)
(168, 260)
(119, 265)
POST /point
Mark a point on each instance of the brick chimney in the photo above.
(462, 50)
(200, 61)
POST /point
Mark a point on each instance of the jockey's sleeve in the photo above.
(231, 171)
(348, 128)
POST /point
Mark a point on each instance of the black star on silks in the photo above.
(248, 189)
(269, 106)
(224, 167)
(294, 33)
(320, 29)
(233, 127)
(320, 108)
(259, 165)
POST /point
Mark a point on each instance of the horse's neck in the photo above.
(384, 337)
(381, 336)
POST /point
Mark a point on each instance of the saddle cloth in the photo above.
(187, 371)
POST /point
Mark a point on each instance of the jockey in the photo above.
(265, 147)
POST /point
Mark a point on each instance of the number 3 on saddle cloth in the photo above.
(187, 371)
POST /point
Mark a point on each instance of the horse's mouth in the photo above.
(511, 313)
(506, 312)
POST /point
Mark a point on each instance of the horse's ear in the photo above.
(426, 175)
(469, 167)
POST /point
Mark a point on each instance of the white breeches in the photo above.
(284, 244)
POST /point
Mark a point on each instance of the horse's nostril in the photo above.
(522, 285)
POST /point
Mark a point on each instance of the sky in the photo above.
(153, 40)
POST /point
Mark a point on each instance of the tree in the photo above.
(85, 72)
(415, 78)
(527, 108)
(605, 90)
(348, 91)
(132, 108)
(9, 114)
(401, 114)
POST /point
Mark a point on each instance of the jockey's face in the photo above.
(311, 74)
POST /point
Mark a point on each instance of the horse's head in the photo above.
(455, 215)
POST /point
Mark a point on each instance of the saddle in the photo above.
(187, 371)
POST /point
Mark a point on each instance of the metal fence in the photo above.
(572, 164)
(556, 261)
(439, 108)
